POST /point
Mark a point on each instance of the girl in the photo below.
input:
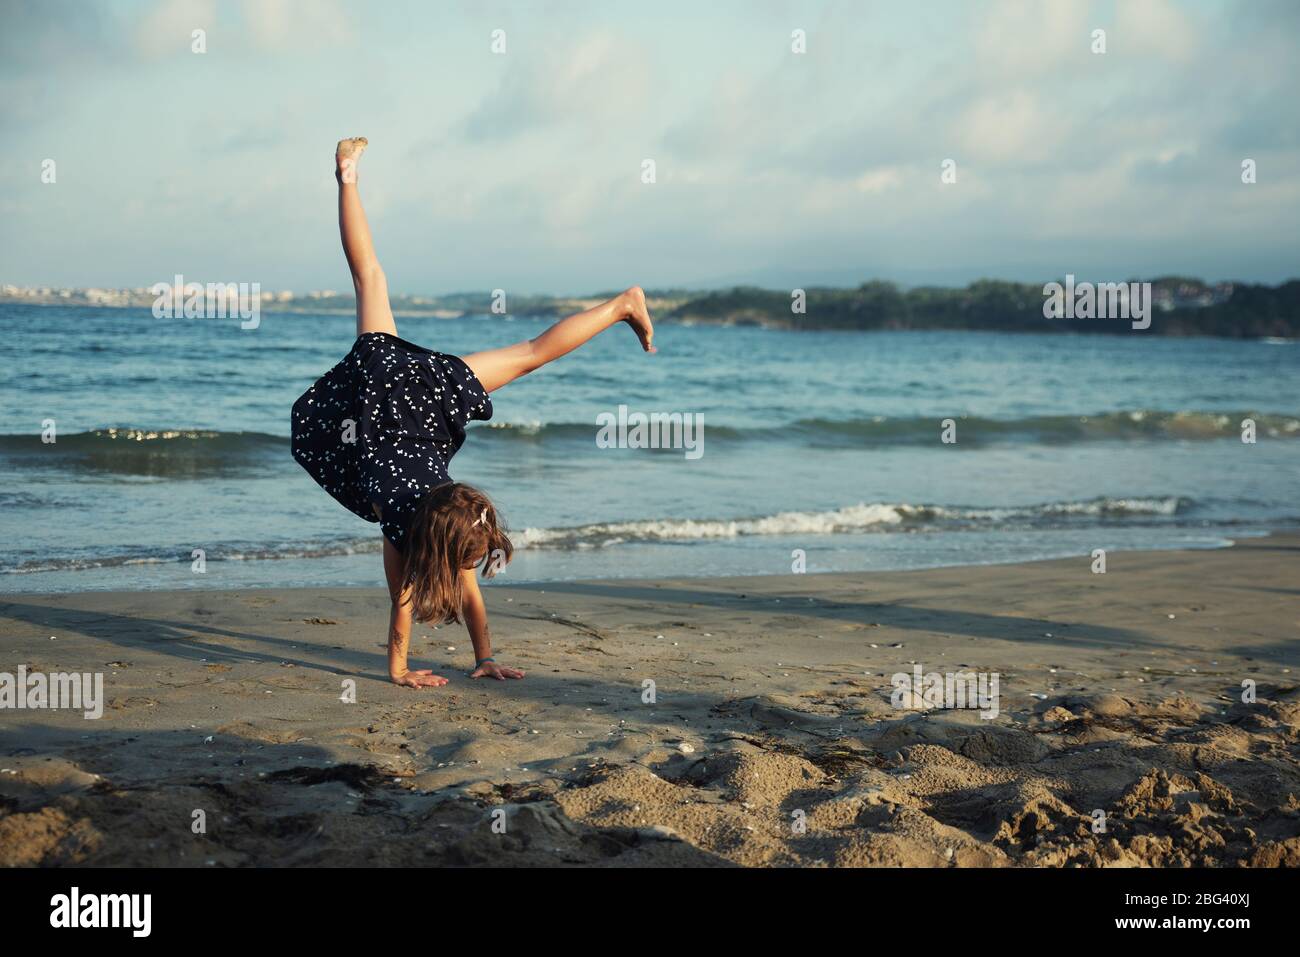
(379, 429)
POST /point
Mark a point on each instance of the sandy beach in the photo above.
(771, 740)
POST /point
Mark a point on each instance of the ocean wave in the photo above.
(150, 450)
(228, 552)
(879, 430)
(863, 517)
(149, 440)
(850, 519)
(1052, 429)
(156, 453)
(535, 430)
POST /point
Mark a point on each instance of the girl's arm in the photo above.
(399, 627)
(474, 611)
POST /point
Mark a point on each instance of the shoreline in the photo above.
(1118, 693)
(188, 582)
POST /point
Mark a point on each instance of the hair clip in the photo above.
(482, 518)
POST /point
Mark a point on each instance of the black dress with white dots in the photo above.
(382, 425)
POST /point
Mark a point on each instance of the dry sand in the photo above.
(1120, 693)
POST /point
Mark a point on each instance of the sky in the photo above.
(523, 169)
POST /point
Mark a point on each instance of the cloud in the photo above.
(253, 27)
(589, 83)
(1156, 28)
(879, 180)
(47, 47)
(1025, 39)
(277, 26)
(1010, 129)
(167, 29)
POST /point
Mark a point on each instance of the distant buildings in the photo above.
(112, 298)
(1189, 295)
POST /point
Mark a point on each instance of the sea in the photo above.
(143, 453)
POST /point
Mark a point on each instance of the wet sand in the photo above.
(1121, 736)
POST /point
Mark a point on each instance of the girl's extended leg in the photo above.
(373, 312)
(496, 367)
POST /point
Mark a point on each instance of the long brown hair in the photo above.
(455, 527)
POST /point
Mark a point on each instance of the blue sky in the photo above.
(522, 170)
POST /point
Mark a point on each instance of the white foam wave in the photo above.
(852, 518)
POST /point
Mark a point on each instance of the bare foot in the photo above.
(346, 155)
(638, 317)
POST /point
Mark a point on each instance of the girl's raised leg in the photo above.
(496, 367)
(373, 311)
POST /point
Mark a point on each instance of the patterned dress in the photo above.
(382, 425)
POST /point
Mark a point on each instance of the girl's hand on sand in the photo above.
(490, 669)
(419, 679)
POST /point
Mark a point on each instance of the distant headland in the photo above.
(1178, 306)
